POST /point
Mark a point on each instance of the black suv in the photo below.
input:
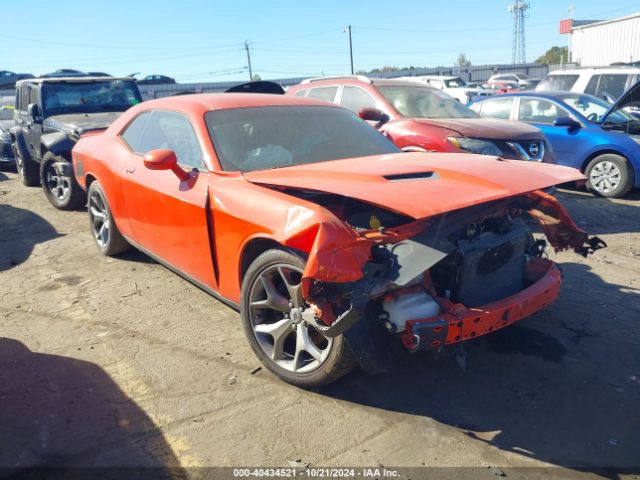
(50, 116)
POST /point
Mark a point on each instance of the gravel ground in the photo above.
(121, 362)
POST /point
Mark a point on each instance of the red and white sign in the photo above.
(566, 25)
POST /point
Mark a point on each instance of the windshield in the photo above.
(261, 138)
(89, 97)
(592, 108)
(423, 102)
(455, 83)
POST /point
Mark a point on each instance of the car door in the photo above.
(542, 113)
(169, 218)
(34, 128)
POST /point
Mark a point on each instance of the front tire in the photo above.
(609, 175)
(103, 228)
(27, 169)
(59, 184)
(291, 349)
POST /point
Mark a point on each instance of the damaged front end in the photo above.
(438, 281)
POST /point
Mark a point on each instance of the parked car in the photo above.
(521, 79)
(98, 74)
(8, 79)
(65, 73)
(608, 83)
(421, 118)
(454, 86)
(156, 80)
(331, 242)
(586, 133)
(502, 87)
(7, 158)
(51, 115)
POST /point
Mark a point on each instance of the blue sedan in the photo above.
(586, 133)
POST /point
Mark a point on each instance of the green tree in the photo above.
(463, 61)
(255, 77)
(554, 56)
(385, 69)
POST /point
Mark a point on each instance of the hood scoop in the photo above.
(411, 176)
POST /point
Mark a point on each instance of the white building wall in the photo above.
(607, 42)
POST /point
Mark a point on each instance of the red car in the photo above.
(502, 86)
(331, 242)
(419, 118)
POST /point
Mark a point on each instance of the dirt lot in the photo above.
(121, 362)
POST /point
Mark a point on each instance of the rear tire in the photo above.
(27, 169)
(103, 228)
(609, 175)
(295, 352)
(59, 183)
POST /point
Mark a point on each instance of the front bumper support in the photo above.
(460, 323)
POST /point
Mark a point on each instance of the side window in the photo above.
(592, 86)
(173, 131)
(328, 94)
(131, 135)
(477, 107)
(355, 99)
(33, 95)
(612, 84)
(301, 93)
(539, 111)
(498, 108)
(24, 98)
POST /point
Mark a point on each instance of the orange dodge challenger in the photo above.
(332, 243)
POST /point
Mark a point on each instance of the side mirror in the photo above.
(34, 113)
(566, 122)
(373, 115)
(164, 159)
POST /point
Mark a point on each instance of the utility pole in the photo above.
(246, 47)
(570, 10)
(350, 49)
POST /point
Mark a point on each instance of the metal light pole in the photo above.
(350, 49)
(246, 47)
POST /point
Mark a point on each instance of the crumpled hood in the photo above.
(81, 121)
(490, 128)
(420, 185)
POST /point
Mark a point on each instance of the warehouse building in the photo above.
(598, 43)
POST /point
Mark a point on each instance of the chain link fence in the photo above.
(472, 73)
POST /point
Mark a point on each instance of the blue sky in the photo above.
(202, 40)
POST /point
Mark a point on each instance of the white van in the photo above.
(603, 82)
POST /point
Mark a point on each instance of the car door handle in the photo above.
(130, 169)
